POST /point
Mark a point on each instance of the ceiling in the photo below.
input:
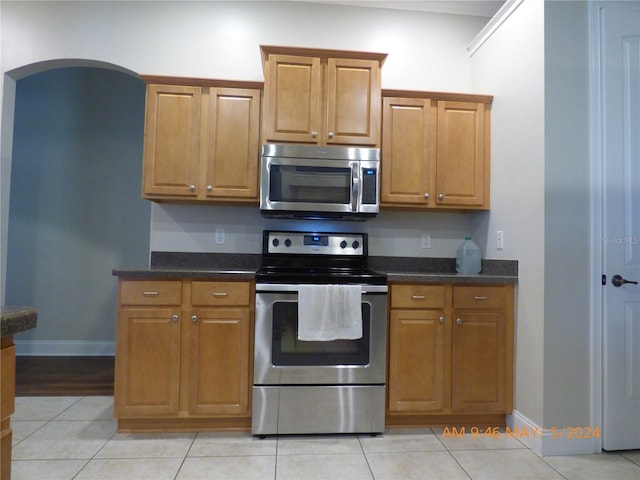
(476, 8)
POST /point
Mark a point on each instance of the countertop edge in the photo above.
(477, 279)
(16, 319)
(414, 277)
(168, 272)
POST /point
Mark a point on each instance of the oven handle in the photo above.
(279, 287)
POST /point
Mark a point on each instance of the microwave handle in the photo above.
(355, 187)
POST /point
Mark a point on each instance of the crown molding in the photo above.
(498, 19)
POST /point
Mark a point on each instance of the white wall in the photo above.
(511, 64)
(568, 277)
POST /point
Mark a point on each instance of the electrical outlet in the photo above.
(219, 236)
(500, 240)
(426, 240)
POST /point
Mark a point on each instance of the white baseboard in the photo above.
(64, 348)
(552, 442)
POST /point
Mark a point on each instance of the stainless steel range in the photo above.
(310, 386)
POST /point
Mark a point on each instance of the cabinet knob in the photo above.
(314, 134)
(194, 318)
(175, 318)
(209, 188)
(441, 196)
(442, 319)
(330, 134)
(426, 196)
(192, 188)
(459, 321)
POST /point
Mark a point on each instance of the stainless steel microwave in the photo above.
(303, 181)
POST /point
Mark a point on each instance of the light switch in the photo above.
(426, 240)
(219, 236)
(500, 240)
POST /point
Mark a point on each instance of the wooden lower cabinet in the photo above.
(450, 354)
(7, 403)
(183, 362)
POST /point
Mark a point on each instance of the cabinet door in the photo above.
(219, 362)
(407, 153)
(418, 370)
(147, 362)
(353, 102)
(233, 144)
(462, 177)
(172, 140)
(293, 91)
(479, 362)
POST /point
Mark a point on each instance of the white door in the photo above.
(620, 120)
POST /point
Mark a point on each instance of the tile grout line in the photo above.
(366, 459)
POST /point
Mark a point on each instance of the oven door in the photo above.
(281, 359)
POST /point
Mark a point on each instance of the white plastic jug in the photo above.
(468, 258)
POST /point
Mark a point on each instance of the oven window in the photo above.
(289, 183)
(287, 350)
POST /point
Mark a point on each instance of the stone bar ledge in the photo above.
(16, 319)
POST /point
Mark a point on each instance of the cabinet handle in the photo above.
(175, 318)
(150, 294)
(459, 321)
(442, 319)
(426, 196)
(209, 188)
(314, 134)
(480, 298)
(441, 196)
(418, 297)
(330, 134)
(194, 318)
(192, 188)
(220, 294)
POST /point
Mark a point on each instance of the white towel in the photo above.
(329, 312)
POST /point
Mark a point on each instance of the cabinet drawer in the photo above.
(479, 297)
(151, 292)
(417, 296)
(220, 293)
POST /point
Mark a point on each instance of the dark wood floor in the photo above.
(58, 376)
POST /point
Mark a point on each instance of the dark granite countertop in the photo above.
(16, 319)
(244, 266)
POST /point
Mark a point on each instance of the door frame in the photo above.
(597, 201)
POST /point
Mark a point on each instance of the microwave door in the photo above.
(304, 186)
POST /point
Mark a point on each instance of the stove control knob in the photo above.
(275, 242)
(355, 244)
(287, 242)
(343, 244)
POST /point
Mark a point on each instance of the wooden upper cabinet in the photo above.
(231, 163)
(435, 150)
(321, 97)
(201, 141)
(353, 102)
(462, 156)
(293, 98)
(407, 155)
(171, 140)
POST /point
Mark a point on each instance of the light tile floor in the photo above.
(75, 438)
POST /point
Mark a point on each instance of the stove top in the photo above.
(316, 258)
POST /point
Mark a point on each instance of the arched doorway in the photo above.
(75, 210)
